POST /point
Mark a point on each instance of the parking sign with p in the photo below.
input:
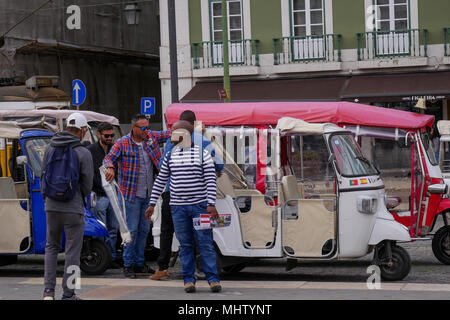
(148, 106)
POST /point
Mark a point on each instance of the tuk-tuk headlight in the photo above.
(367, 204)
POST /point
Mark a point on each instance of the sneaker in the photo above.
(145, 269)
(72, 297)
(128, 272)
(215, 286)
(49, 294)
(160, 275)
(189, 287)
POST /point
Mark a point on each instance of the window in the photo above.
(307, 18)
(307, 27)
(392, 15)
(235, 31)
(392, 23)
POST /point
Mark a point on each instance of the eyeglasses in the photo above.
(108, 135)
(143, 128)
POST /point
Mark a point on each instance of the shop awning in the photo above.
(397, 87)
(304, 89)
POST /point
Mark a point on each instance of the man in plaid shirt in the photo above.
(138, 155)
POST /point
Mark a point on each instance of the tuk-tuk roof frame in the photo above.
(267, 114)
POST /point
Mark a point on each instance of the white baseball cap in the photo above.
(77, 120)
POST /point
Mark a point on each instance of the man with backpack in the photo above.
(66, 179)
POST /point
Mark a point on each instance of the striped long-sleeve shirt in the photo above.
(191, 179)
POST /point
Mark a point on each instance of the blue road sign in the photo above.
(78, 92)
(148, 106)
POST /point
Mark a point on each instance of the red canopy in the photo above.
(268, 113)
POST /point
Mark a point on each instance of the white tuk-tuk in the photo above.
(323, 200)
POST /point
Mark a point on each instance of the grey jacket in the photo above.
(86, 174)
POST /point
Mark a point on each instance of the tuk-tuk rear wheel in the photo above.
(95, 257)
(441, 244)
(399, 266)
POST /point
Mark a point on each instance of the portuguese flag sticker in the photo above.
(354, 182)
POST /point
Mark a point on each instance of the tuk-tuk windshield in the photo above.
(35, 149)
(349, 158)
(431, 147)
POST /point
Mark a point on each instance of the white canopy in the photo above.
(292, 125)
(9, 130)
(59, 115)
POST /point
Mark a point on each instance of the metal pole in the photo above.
(173, 52)
(226, 67)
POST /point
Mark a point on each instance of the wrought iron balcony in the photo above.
(313, 48)
(208, 54)
(391, 44)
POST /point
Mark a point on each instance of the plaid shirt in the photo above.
(126, 151)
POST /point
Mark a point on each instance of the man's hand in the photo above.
(109, 175)
(213, 212)
(149, 212)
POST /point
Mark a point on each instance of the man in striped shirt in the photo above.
(192, 193)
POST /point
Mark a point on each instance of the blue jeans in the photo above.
(182, 220)
(139, 227)
(103, 211)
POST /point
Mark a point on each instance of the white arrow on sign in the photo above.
(76, 88)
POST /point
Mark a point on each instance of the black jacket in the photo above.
(97, 157)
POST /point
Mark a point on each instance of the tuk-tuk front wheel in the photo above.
(396, 266)
(95, 257)
(441, 244)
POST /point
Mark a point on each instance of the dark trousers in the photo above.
(167, 230)
(73, 226)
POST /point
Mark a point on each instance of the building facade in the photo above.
(383, 52)
(97, 42)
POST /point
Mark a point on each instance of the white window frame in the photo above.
(206, 21)
(287, 18)
(392, 42)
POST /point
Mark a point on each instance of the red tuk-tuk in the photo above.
(398, 142)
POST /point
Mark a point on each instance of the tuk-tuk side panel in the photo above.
(308, 234)
(14, 226)
(257, 222)
(355, 228)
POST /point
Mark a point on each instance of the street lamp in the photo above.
(132, 13)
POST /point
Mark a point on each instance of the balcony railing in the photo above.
(208, 54)
(325, 47)
(391, 44)
(447, 41)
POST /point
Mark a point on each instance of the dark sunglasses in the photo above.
(143, 128)
(108, 135)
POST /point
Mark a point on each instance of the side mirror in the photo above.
(438, 188)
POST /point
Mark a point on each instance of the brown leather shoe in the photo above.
(160, 275)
